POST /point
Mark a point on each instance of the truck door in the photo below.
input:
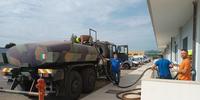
(112, 49)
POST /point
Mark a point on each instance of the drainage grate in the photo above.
(113, 91)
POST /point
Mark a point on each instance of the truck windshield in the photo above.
(123, 49)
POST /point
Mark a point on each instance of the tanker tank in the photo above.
(38, 54)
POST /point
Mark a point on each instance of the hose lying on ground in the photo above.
(136, 80)
(110, 79)
(127, 92)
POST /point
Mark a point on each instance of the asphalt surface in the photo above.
(10, 96)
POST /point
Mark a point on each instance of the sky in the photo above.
(118, 21)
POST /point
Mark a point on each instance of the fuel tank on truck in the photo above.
(37, 54)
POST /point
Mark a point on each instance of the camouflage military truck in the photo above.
(68, 68)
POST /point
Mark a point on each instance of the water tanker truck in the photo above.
(68, 68)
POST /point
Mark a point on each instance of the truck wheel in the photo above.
(26, 85)
(70, 88)
(74, 85)
(89, 79)
(126, 66)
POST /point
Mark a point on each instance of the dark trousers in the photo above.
(116, 77)
(166, 77)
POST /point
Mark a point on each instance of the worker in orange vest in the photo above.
(185, 66)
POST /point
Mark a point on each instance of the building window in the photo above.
(185, 43)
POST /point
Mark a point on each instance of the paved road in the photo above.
(109, 91)
(9, 96)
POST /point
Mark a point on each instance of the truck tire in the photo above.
(71, 87)
(26, 85)
(74, 86)
(126, 66)
(89, 79)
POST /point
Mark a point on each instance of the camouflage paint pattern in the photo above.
(36, 54)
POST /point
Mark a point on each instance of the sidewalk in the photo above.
(125, 80)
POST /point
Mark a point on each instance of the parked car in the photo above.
(136, 61)
(131, 62)
(127, 64)
(146, 59)
(139, 59)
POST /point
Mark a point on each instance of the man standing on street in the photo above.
(115, 63)
(163, 66)
(185, 66)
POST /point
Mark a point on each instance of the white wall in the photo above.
(197, 64)
(167, 52)
(185, 31)
(155, 89)
(198, 45)
(179, 43)
(173, 49)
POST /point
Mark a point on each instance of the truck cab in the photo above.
(123, 55)
(123, 52)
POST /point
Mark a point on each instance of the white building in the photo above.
(175, 27)
(173, 22)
